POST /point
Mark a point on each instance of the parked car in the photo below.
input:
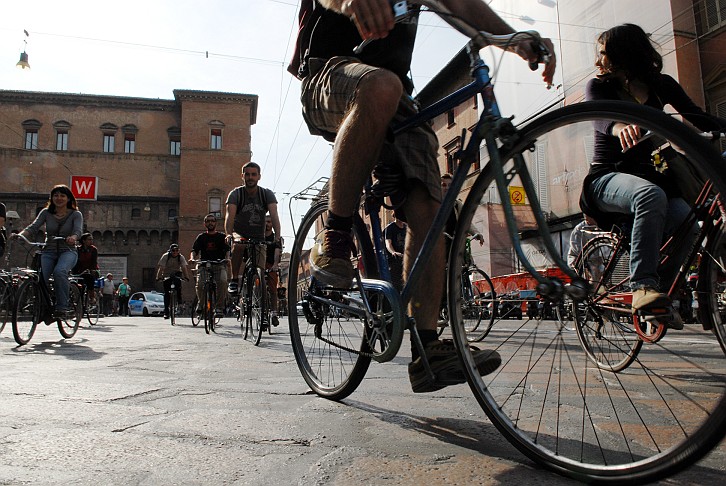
(146, 304)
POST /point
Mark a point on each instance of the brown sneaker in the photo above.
(446, 366)
(330, 258)
(647, 298)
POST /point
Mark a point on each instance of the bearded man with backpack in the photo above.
(247, 206)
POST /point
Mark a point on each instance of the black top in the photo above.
(325, 34)
(211, 246)
(397, 236)
(271, 248)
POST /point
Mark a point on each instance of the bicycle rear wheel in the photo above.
(92, 308)
(332, 351)
(27, 311)
(68, 326)
(255, 304)
(478, 301)
(666, 411)
(6, 303)
(206, 313)
(604, 326)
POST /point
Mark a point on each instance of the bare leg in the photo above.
(360, 137)
(420, 211)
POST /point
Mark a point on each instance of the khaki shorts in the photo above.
(327, 94)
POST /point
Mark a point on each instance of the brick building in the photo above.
(159, 166)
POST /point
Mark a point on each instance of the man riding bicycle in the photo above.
(247, 206)
(353, 98)
(171, 265)
(211, 245)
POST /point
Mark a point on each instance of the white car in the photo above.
(146, 304)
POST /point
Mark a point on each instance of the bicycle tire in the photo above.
(196, 318)
(478, 318)
(268, 312)
(92, 310)
(547, 398)
(212, 303)
(255, 293)
(172, 307)
(205, 310)
(6, 303)
(606, 330)
(68, 326)
(710, 286)
(27, 311)
(331, 372)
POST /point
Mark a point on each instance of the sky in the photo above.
(149, 48)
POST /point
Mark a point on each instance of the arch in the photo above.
(31, 123)
(62, 125)
(144, 237)
(132, 237)
(107, 237)
(108, 127)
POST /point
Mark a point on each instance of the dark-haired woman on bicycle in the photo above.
(623, 178)
(61, 217)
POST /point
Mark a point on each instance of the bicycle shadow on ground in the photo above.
(70, 350)
(483, 437)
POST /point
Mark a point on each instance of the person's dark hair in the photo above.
(446, 175)
(630, 49)
(85, 236)
(252, 165)
(62, 188)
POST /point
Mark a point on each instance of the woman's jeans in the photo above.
(59, 264)
(654, 218)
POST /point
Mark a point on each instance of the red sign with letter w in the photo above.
(84, 187)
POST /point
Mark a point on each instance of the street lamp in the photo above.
(23, 62)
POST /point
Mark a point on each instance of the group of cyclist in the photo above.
(247, 217)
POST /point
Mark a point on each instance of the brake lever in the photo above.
(543, 55)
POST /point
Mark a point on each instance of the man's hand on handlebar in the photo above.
(373, 18)
(538, 52)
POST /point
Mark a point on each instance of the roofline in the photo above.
(215, 96)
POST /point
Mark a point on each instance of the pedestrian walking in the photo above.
(107, 292)
(124, 294)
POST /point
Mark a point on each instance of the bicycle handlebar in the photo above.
(480, 39)
(253, 241)
(211, 262)
(36, 243)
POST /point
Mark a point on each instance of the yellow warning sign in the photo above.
(516, 195)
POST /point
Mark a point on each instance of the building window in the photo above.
(31, 139)
(135, 213)
(216, 139)
(215, 206)
(712, 15)
(109, 143)
(32, 128)
(171, 214)
(450, 119)
(129, 143)
(62, 128)
(61, 141)
(451, 148)
(174, 134)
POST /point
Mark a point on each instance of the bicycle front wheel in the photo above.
(477, 304)
(172, 307)
(27, 312)
(331, 348)
(666, 411)
(255, 303)
(68, 326)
